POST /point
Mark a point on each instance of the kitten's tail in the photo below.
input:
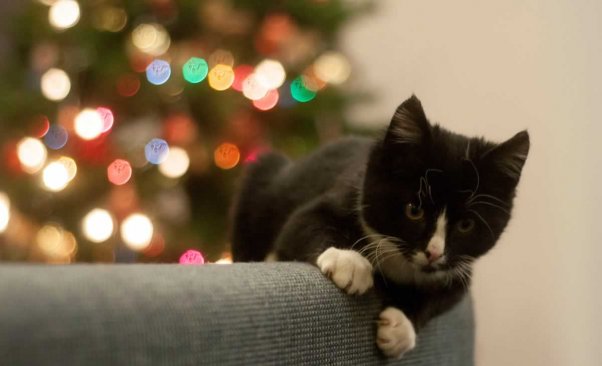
(254, 220)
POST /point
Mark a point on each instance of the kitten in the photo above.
(408, 213)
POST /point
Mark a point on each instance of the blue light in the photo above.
(156, 151)
(158, 72)
(57, 137)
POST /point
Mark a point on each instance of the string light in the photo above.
(241, 72)
(156, 151)
(152, 39)
(32, 154)
(270, 74)
(137, 231)
(333, 68)
(89, 124)
(158, 72)
(119, 172)
(69, 165)
(56, 243)
(55, 177)
(97, 225)
(226, 156)
(4, 211)
(192, 256)
(57, 137)
(106, 115)
(55, 84)
(253, 89)
(300, 93)
(110, 18)
(268, 102)
(64, 14)
(195, 70)
(176, 164)
(221, 77)
(221, 57)
(40, 126)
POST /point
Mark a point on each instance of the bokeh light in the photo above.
(70, 165)
(39, 126)
(192, 256)
(253, 89)
(221, 57)
(106, 115)
(333, 68)
(152, 39)
(195, 70)
(270, 74)
(110, 18)
(119, 172)
(56, 138)
(55, 84)
(128, 85)
(176, 164)
(221, 77)
(268, 102)
(226, 156)
(64, 14)
(32, 154)
(55, 177)
(158, 72)
(4, 211)
(225, 259)
(97, 225)
(89, 124)
(241, 72)
(156, 151)
(137, 231)
(300, 93)
(57, 244)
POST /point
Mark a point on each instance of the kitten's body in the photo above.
(342, 208)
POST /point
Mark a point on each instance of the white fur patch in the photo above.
(437, 243)
(395, 335)
(348, 269)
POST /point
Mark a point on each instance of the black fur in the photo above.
(298, 210)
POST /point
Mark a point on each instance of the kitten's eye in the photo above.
(465, 225)
(413, 212)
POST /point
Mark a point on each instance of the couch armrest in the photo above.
(243, 314)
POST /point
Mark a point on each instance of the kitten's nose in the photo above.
(432, 255)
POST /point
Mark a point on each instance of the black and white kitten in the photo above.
(408, 214)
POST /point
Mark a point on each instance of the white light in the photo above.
(137, 231)
(4, 211)
(64, 14)
(70, 165)
(152, 39)
(98, 225)
(333, 68)
(253, 89)
(176, 164)
(55, 176)
(55, 84)
(88, 124)
(32, 154)
(270, 74)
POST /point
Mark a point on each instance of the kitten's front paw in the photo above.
(395, 335)
(348, 269)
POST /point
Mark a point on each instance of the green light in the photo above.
(300, 93)
(195, 70)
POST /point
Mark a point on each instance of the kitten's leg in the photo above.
(348, 269)
(395, 335)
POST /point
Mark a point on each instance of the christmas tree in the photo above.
(124, 125)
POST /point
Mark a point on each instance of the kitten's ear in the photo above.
(409, 124)
(510, 156)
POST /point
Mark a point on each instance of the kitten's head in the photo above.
(433, 201)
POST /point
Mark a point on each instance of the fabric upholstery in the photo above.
(240, 314)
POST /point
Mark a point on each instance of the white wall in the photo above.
(494, 68)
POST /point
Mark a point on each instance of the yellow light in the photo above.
(110, 18)
(222, 57)
(176, 164)
(32, 154)
(98, 225)
(333, 68)
(270, 74)
(137, 231)
(152, 39)
(64, 14)
(221, 77)
(253, 89)
(57, 244)
(88, 124)
(4, 211)
(70, 165)
(55, 84)
(55, 177)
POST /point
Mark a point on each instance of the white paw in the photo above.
(348, 269)
(395, 335)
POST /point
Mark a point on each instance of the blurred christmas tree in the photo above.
(124, 124)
